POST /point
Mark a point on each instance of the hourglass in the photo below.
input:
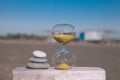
(63, 58)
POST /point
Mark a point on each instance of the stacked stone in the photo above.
(38, 61)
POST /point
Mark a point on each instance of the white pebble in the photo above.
(39, 54)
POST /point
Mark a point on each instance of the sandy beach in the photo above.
(17, 53)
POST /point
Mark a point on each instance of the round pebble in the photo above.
(38, 60)
(39, 54)
(38, 65)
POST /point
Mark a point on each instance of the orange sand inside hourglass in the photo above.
(63, 38)
(63, 66)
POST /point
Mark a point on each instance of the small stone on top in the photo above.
(39, 54)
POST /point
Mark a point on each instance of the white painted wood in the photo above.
(77, 73)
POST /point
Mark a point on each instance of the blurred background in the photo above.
(26, 25)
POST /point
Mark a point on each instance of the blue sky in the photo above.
(37, 16)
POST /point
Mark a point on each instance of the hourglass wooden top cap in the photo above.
(63, 28)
